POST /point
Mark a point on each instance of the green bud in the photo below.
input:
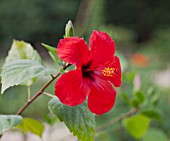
(69, 29)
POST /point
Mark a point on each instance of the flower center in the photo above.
(110, 71)
(107, 71)
(86, 71)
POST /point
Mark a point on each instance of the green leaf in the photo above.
(139, 98)
(19, 71)
(129, 77)
(31, 125)
(78, 119)
(155, 135)
(53, 53)
(134, 103)
(152, 113)
(22, 50)
(125, 97)
(136, 125)
(9, 121)
(155, 99)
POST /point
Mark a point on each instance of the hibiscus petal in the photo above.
(101, 97)
(73, 50)
(117, 77)
(102, 48)
(114, 76)
(71, 88)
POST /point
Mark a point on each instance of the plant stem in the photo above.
(29, 92)
(40, 92)
(48, 94)
(122, 116)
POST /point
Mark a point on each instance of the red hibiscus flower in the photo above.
(96, 70)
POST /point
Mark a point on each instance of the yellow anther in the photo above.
(108, 72)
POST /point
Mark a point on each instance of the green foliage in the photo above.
(31, 125)
(16, 72)
(152, 113)
(138, 99)
(155, 135)
(136, 125)
(129, 77)
(69, 32)
(155, 99)
(22, 50)
(9, 121)
(53, 19)
(78, 119)
(53, 54)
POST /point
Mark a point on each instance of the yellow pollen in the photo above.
(108, 71)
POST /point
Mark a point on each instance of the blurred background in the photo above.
(141, 30)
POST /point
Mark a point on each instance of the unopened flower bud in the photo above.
(69, 30)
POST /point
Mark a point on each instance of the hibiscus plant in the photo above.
(85, 85)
